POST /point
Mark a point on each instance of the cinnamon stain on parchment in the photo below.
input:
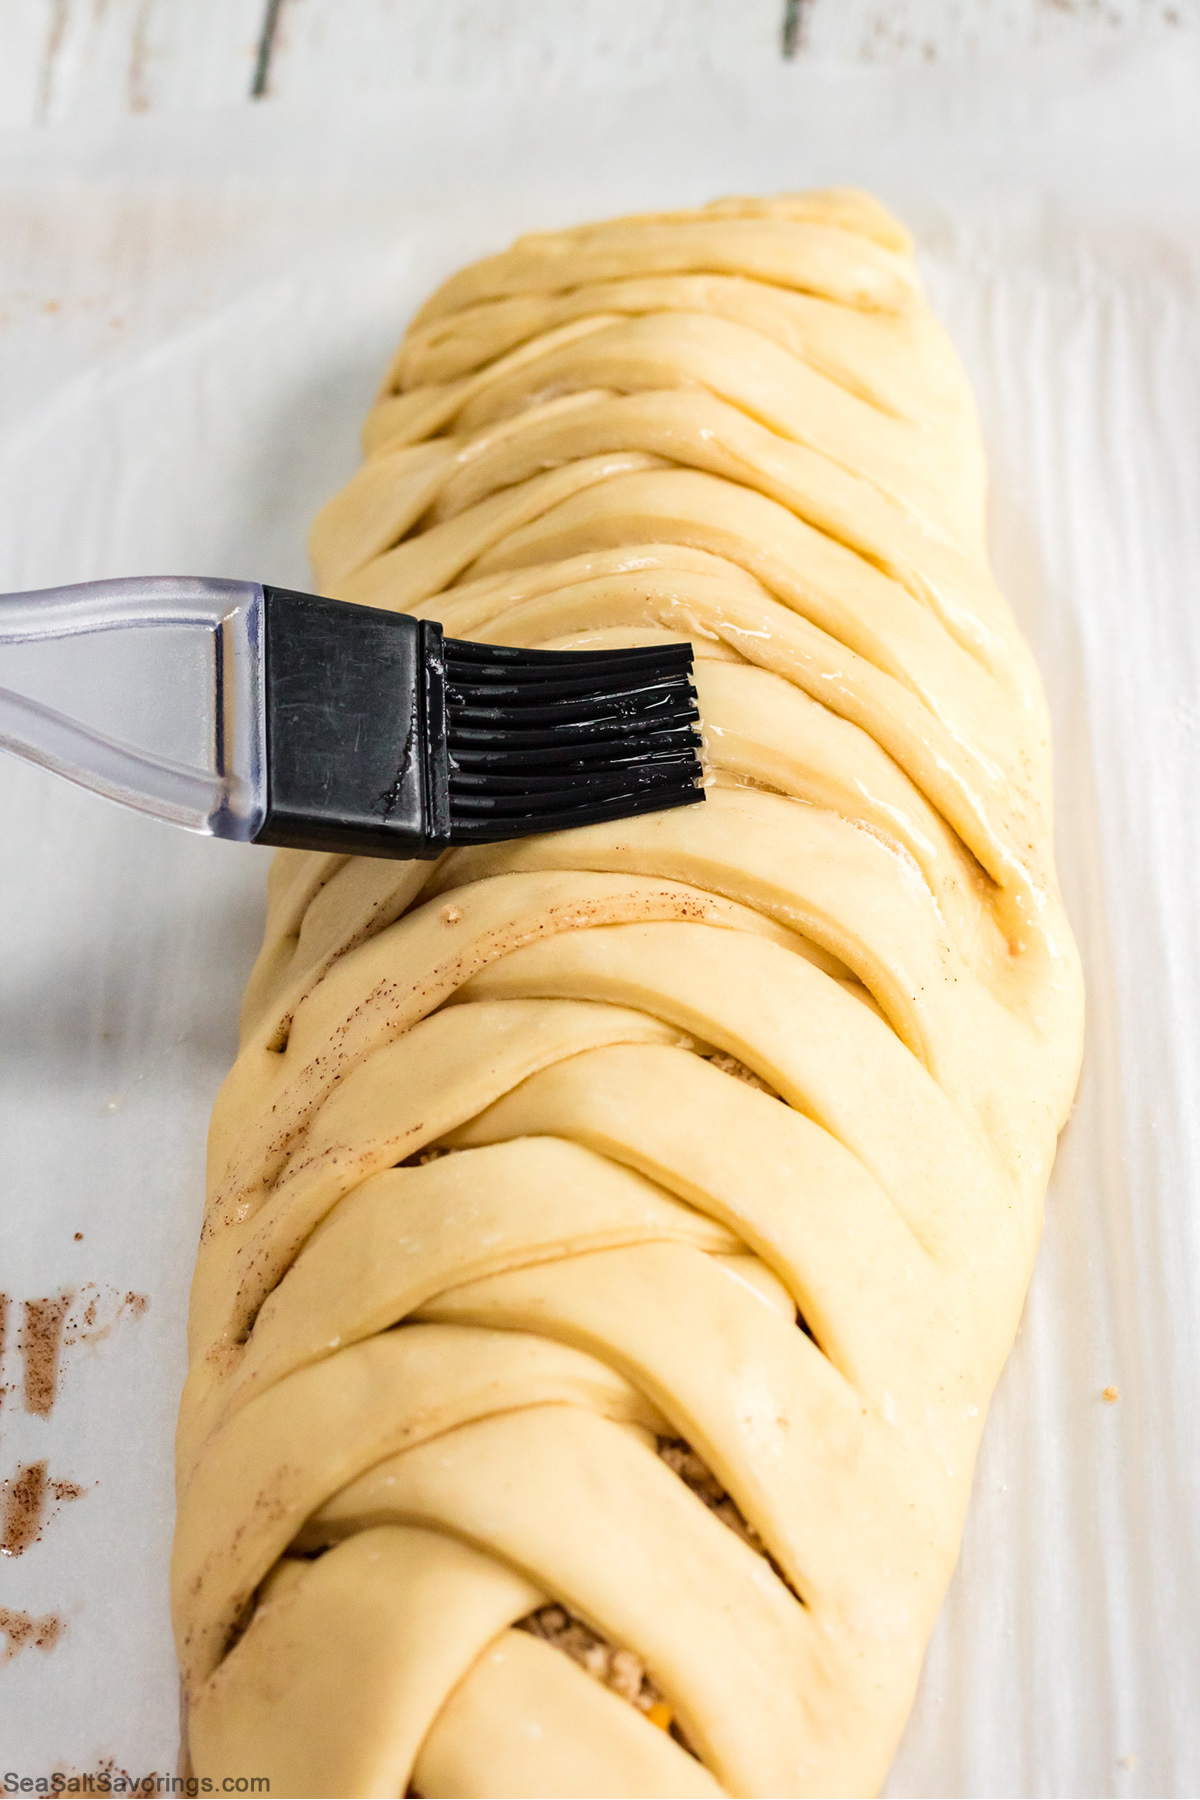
(30, 1500)
(41, 1343)
(54, 1322)
(97, 1311)
(22, 1631)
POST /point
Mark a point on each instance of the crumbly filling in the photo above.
(729, 1065)
(421, 1157)
(621, 1670)
(678, 1455)
(691, 1469)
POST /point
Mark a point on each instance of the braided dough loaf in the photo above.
(614, 1238)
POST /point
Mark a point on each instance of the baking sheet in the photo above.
(193, 316)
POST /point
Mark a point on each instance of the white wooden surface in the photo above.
(63, 60)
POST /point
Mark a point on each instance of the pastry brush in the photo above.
(328, 726)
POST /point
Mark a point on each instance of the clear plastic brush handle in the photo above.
(180, 643)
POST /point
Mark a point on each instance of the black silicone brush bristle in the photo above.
(384, 737)
(543, 740)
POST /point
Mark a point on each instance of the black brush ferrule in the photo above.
(355, 729)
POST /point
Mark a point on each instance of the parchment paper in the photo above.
(194, 315)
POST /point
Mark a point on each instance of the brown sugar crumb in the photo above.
(620, 1670)
(450, 915)
(1111, 1394)
(729, 1065)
